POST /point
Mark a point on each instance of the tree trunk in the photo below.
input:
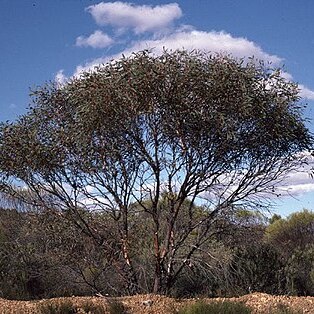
(132, 283)
(158, 269)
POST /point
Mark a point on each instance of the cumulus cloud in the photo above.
(212, 41)
(299, 181)
(60, 78)
(89, 66)
(139, 18)
(188, 38)
(297, 184)
(306, 92)
(300, 189)
(142, 18)
(96, 40)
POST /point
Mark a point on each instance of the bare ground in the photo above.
(154, 304)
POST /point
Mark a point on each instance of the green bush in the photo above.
(284, 309)
(65, 307)
(91, 308)
(221, 307)
(116, 307)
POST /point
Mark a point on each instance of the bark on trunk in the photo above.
(158, 268)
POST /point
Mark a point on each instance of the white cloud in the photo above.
(286, 76)
(96, 40)
(89, 66)
(220, 42)
(297, 189)
(139, 18)
(299, 181)
(60, 78)
(306, 92)
(142, 18)
(187, 38)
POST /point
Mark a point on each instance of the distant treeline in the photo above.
(43, 254)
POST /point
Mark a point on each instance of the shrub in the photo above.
(116, 307)
(221, 307)
(284, 309)
(65, 307)
(91, 308)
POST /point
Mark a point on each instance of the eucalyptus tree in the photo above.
(184, 136)
(292, 233)
(292, 238)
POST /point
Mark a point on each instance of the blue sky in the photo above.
(54, 39)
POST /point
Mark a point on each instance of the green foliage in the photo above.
(299, 270)
(65, 307)
(296, 231)
(44, 256)
(293, 239)
(252, 271)
(91, 308)
(116, 307)
(274, 218)
(284, 309)
(221, 307)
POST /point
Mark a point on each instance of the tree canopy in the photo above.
(296, 231)
(293, 239)
(156, 131)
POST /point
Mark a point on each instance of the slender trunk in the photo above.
(131, 278)
(158, 268)
(157, 281)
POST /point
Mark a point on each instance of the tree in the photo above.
(294, 232)
(42, 256)
(156, 131)
(299, 270)
(274, 218)
(293, 239)
(248, 268)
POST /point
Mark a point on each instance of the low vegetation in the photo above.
(68, 307)
(284, 309)
(42, 256)
(65, 307)
(221, 307)
(116, 307)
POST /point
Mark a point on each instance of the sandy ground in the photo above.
(153, 304)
